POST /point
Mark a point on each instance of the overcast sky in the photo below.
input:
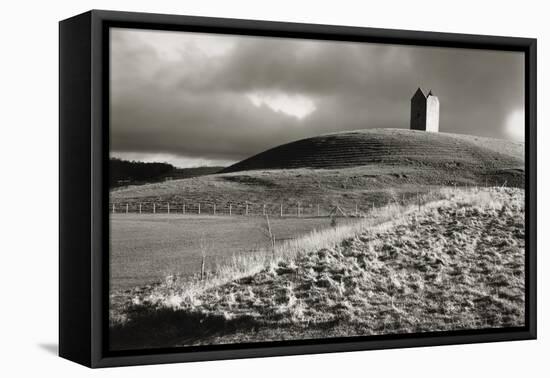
(195, 99)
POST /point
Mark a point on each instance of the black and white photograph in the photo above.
(266, 189)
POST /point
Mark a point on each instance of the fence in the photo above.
(297, 209)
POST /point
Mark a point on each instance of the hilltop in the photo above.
(367, 166)
(387, 146)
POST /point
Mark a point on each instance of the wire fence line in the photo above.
(251, 209)
(282, 209)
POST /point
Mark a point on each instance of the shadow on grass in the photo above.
(150, 327)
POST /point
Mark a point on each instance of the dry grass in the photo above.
(239, 265)
(457, 263)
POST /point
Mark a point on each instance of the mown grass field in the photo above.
(145, 248)
(456, 263)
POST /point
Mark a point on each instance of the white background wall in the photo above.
(28, 158)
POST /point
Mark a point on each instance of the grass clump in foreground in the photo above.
(457, 263)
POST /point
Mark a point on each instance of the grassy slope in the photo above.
(456, 264)
(346, 168)
(387, 146)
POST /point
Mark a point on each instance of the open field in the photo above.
(458, 263)
(146, 248)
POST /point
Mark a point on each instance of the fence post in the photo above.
(113, 208)
(214, 209)
(154, 208)
(318, 213)
(373, 206)
(199, 211)
(298, 209)
(140, 207)
(183, 207)
(126, 208)
(229, 209)
(168, 207)
(281, 210)
(247, 208)
(356, 209)
(264, 209)
(202, 267)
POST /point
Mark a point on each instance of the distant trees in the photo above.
(123, 172)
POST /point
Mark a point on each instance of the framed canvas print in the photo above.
(234, 188)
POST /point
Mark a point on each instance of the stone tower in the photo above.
(424, 111)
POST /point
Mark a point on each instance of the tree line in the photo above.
(123, 172)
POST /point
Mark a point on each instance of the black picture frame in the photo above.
(83, 167)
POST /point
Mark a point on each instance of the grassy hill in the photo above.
(387, 146)
(369, 166)
(455, 264)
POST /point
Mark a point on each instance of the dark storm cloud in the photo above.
(190, 95)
